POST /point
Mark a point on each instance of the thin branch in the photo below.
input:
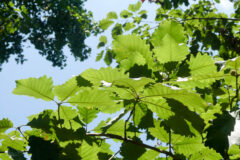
(170, 141)
(113, 136)
(19, 129)
(211, 18)
(237, 92)
(114, 120)
(125, 125)
(114, 155)
(58, 109)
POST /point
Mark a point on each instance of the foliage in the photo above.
(48, 25)
(164, 90)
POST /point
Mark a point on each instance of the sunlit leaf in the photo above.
(35, 87)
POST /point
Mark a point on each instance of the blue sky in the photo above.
(18, 108)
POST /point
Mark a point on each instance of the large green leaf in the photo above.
(200, 81)
(159, 132)
(127, 149)
(87, 151)
(135, 7)
(170, 50)
(188, 145)
(170, 28)
(94, 98)
(192, 100)
(202, 65)
(233, 63)
(135, 84)
(128, 45)
(103, 75)
(68, 114)
(87, 114)
(234, 152)
(159, 106)
(35, 87)
(5, 124)
(206, 154)
(67, 89)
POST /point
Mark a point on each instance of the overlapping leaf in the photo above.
(169, 42)
(94, 98)
(128, 45)
(108, 75)
(192, 100)
(67, 89)
(35, 87)
(202, 65)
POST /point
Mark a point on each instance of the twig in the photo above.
(211, 18)
(237, 92)
(113, 136)
(19, 129)
(59, 118)
(114, 155)
(131, 113)
(114, 120)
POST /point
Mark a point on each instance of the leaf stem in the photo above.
(114, 155)
(59, 118)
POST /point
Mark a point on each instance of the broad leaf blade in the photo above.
(94, 98)
(35, 87)
(202, 65)
(192, 100)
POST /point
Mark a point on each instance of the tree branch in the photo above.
(113, 136)
(211, 18)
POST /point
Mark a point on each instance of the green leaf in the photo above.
(125, 14)
(159, 106)
(38, 146)
(233, 63)
(234, 152)
(16, 155)
(127, 26)
(112, 15)
(135, 84)
(94, 98)
(170, 50)
(135, 7)
(105, 23)
(66, 90)
(206, 154)
(87, 114)
(35, 87)
(149, 154)
(87, 151)
(99, 56)
(102, 41)
(107, 75)
(5, 124)
(188, 145)
(174, 31)
(192, 100)
(44, 120)
(127, 149)
(68, 114)
(159, 132)
(202, 65)
(5, 156)
(200, 81)
(126, 45)
(218, 132)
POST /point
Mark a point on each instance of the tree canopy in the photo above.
(48, 25)
(174, 92)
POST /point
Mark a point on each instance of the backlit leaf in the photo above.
(35, 87)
